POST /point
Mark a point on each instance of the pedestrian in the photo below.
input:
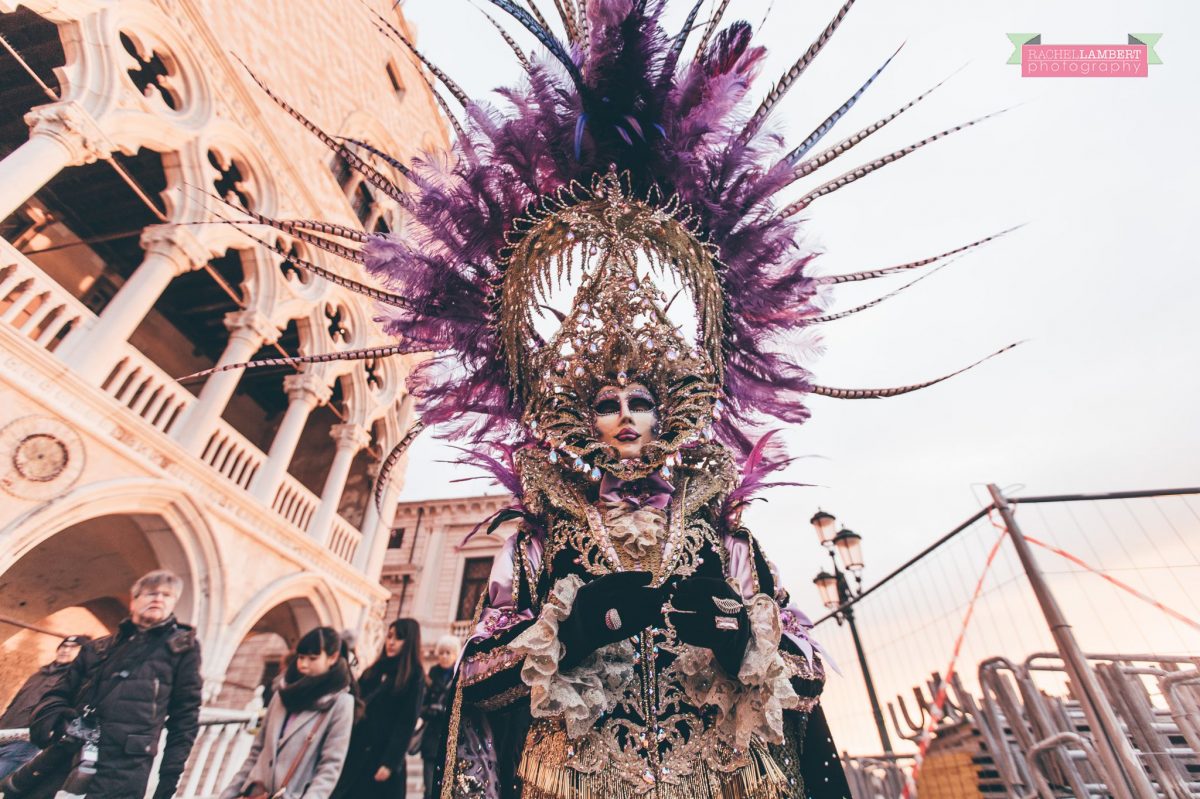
(20, 709)
(435, 715)
(101, 724)
(392, 688)
(302, 742)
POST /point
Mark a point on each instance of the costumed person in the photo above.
(435, 714)
(617, 298)
(392, 690)
(302, 741)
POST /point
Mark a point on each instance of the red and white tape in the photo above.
(1123, 586)
(935, 709)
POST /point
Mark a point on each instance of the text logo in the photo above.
(1131, 60)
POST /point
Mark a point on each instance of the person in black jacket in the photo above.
(392, 689)
(16, 715)
(131, 684)
(435, 713)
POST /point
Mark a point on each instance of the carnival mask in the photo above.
(626, 419)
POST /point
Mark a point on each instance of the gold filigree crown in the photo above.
(617, 331)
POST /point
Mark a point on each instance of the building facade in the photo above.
(433, 571)
(124, 129)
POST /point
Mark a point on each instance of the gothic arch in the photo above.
(171, 530)
(308, 595)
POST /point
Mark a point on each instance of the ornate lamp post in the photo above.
(836, 593)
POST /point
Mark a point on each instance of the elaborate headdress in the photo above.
(618, 164)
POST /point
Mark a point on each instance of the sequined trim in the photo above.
(800, 666)
(503, 699)
(482, 665)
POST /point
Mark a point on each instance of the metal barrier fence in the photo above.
(1121, 720)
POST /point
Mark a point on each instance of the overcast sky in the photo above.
(1102, 283)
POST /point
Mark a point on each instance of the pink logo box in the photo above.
(1084, 61)
(1039, 60)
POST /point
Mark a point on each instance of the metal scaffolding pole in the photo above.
(1127, 778)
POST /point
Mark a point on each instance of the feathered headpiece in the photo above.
(616, 158)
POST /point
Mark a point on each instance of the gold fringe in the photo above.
(545, 775)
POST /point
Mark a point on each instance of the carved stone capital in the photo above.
(74, 128)
(350, 436)
(307, 387)
(252, 323)
(178, 244)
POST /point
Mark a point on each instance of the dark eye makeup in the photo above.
(639, 404)
(607, 406)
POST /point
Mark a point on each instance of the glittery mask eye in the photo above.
(607, 406)
(641, 403)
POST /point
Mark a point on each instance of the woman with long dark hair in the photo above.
(302, 742)
(392, 689)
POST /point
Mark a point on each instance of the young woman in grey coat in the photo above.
(302, 743)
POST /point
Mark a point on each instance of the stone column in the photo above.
(371, 524)
(61, 134)
(171, 250)
(375, 537)
(430, 568)
(248, 331)
(349, 439)
(305, 391)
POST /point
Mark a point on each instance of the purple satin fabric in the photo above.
(795, 623)
(649, 492)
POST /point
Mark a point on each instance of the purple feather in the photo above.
(561, 126)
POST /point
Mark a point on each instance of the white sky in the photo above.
(1102, 282)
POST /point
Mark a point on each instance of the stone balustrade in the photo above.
(38, 309)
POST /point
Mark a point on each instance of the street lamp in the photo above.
(827, 585)
(837, 595)
(825, 524)
(849, 547)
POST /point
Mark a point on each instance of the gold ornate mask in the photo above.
(617, 331)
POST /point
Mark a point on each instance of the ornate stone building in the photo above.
(122, 124)
(433, 573)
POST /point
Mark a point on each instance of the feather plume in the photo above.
(370, 353)
(832, 280)
(362, 167)
(793, 74)
(880, 393)
(390, 160)
(294, 230)
(548, 40)
(844, 145)
(866, 169)
(385, 297)
(713, 22)
(393, 457)
(820, 320)
(795, 155)
(399, 36)
(766, 457)
(510, 41)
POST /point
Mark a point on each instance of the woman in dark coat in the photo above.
(393, 688)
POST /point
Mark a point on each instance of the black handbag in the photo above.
(418, 736)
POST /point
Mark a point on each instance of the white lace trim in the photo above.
(637, 531)
(753, 704)
(579, 697)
